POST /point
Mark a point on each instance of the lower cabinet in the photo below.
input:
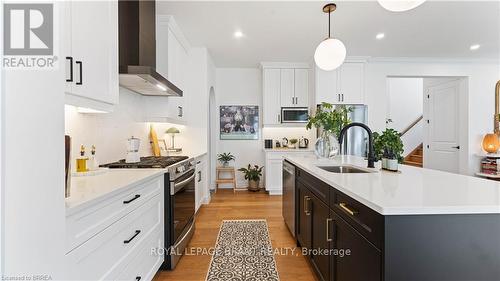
(336, 250)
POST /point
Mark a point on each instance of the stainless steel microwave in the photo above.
(294, 114)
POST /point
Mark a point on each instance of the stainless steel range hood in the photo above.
(137, 37)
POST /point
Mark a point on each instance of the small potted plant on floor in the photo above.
(253, 175)
(225, 158)
(388, 148)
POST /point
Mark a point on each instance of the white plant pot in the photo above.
(392, 164)
(384, 163)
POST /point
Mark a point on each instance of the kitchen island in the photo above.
(418, 224)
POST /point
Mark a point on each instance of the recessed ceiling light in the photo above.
(475, 47)
(238, 34)
(380, 36)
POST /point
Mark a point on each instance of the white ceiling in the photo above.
(290, 31)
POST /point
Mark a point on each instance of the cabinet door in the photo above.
(287, 88)
(94, 47)
(301, 87)
(304, 215)
(327, 86)
(365, 260)
(272, 88)
(274, 179)
(321, 238)
(352, 76)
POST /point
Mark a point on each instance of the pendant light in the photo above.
(400, 5)
(330, 53)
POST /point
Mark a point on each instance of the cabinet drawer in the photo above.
(317, 187)
(85, 224)
(98, 257)
(368, 222)
(144, 263)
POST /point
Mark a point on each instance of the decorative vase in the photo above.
(327, 146)
(253, 185)
(225, 164)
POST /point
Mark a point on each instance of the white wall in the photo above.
(405, 106)
(479, 104)
(240, 86)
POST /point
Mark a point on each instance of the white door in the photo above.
(301, 87)
(352, 83)
(94, 44)
(287, 88)
(272, 107)
(327, 86)
(441, 109)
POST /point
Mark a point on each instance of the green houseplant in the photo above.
(331, 120)
(293, 143)
(253, 175)
(225, 158)
(388, 146)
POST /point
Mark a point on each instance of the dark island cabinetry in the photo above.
(348, 241)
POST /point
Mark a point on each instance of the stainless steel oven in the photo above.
(294, 114)
(179, 211)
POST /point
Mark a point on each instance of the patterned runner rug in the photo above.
(243, 251)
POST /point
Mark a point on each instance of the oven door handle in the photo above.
(179, 185)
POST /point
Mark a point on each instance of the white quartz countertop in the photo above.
(87, 189)
(413, 191)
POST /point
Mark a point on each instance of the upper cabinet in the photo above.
(91, 53)
(285, 85)
(344, 85)
(172, 60)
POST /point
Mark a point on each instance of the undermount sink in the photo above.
(345, 169)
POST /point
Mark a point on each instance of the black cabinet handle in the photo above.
(70, 69)
(130, 200)
(132, 238)
(81, 75)
(138, 278)
(456, 147)
(199, 176)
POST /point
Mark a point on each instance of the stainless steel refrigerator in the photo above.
(356, 141)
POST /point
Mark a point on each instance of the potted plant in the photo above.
(293, 143)
(225, 158)
(252, 174)
(388, 147)
(331, 121)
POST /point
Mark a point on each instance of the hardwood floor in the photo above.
(226, 205)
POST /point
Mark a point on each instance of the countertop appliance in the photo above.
(179, 201)
(303, 142)
(137, 50)
(356, 139)
(288, 206)
(294, 114)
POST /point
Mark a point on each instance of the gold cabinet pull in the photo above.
(344, 207)
(328, 239)
(306, 205)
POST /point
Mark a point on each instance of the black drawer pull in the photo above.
(70, 69)
(130, 200)
(81, 73)
(138, 278)
(132, 238)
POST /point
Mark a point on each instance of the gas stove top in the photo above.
(147, 162)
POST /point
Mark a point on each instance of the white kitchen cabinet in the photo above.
(274, 169)
(92, 53)
(272, 94)
(201, 184)
(287, 93)
(118, 238)
(301, 87)
(344, 85)
(172, 62)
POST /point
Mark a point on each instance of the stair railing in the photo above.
(413, 124)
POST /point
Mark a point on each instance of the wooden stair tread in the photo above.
(416, 157)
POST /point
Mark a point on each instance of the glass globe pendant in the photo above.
(330, 53)
(400, 5)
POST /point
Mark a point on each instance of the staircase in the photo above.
(416, 157)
